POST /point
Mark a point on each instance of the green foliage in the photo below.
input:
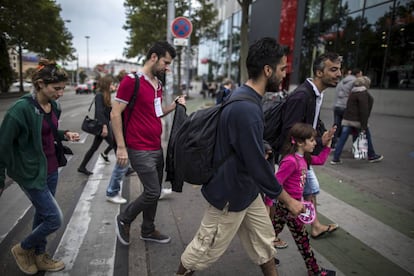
(147, 22)
(36, 25)
(6, 72)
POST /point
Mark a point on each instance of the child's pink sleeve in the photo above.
(322, 157)
(268, 201)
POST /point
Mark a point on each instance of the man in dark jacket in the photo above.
(233, 194)
(304, 105)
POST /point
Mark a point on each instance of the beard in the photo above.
(272, 84)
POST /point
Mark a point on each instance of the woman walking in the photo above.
(102, 113)
(27, 153)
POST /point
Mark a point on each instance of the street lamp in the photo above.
(87, 51)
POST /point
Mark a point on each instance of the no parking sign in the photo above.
(181, 27)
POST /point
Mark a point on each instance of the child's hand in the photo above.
(327, 136)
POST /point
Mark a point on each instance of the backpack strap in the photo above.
(242, 97)
(131, 103)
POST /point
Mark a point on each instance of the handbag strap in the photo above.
(48, 119)
(90, 106)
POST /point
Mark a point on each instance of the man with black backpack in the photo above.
(139, 139)
(233, 193)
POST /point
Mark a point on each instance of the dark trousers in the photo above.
(97, 141)
(149, 166)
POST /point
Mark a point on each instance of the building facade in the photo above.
(374, 35)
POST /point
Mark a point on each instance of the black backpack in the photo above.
(273, 122)
(194, 144)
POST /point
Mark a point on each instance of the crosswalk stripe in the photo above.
(88, 244)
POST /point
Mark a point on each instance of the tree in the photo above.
(244, 41)
(36, 25)
(6, 72)
(147, 21)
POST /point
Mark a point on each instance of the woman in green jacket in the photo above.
(27, 154)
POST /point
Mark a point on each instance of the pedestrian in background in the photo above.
(357, 112)
(140, 140)
(226, 87)
(291, 174)
(234, 192)
(343, 90)
(102, 114)
(27, 153)
(303, 105)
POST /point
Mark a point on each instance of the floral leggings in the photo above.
(299, 234)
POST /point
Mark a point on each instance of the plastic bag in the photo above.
(360, 146)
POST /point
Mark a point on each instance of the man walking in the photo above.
(233, 194)
(142, 141)
(304, 105)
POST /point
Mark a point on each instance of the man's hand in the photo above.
(295, 207)
(180, 100)
(122, 156)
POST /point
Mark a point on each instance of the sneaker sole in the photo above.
(23, 270)
(155, 240)
(120, 239)
(109, 199)
(54, 269)
(376, 160)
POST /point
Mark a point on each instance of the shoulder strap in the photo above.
(234, 99)
(131, 103)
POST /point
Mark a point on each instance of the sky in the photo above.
(102, 21)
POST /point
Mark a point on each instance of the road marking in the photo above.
(88, 245)
(384, 239)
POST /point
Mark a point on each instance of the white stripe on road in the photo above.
(387, 241)
(98, 258)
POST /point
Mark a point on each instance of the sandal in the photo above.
(280, 244)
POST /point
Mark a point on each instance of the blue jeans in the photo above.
(48, 216)
(115, 183)
(338, 116)
(346, 130)
(149, 166)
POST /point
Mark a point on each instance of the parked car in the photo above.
(15, 87)
(82, 88)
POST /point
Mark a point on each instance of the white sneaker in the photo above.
(164, 192)
(116, 199)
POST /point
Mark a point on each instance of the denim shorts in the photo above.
(311, 184)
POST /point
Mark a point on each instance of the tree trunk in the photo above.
(244, 41)
(21, 68)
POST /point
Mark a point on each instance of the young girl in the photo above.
(296, 159)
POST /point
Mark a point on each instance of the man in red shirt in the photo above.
(142, 141)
